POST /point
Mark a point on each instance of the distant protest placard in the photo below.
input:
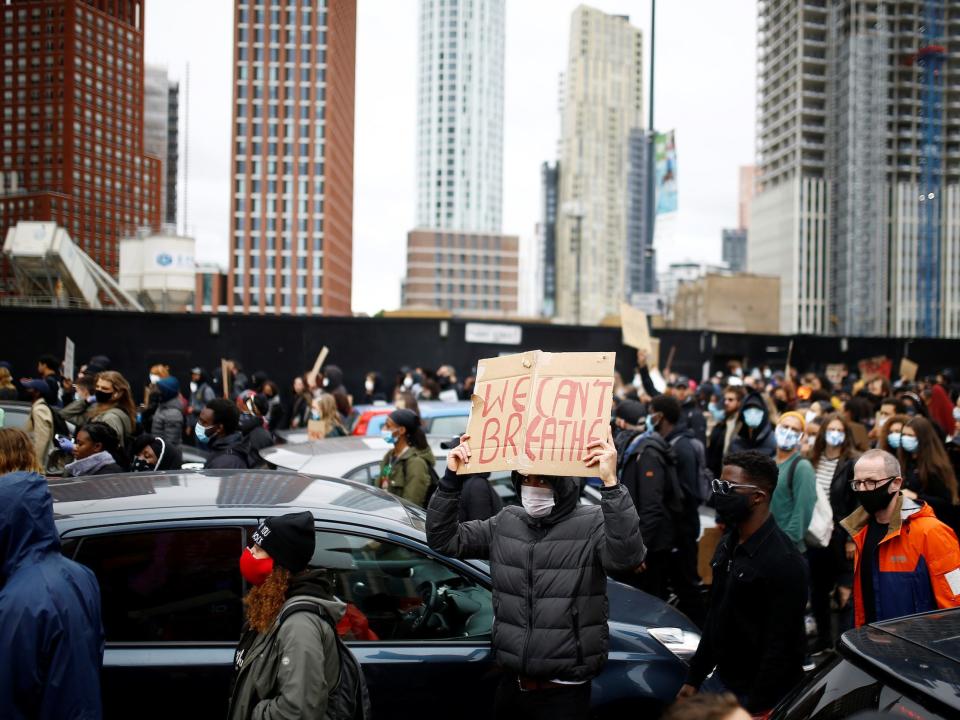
(537, 412)
(635, 329)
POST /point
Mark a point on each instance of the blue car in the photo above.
(165, 549)
(439, 418)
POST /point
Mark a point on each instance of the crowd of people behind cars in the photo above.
(839, 502)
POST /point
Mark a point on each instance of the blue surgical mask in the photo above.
(651, 424)
(719, 414)
(893, 440)
(753, 417)
(909, 443)
(388, 437)
(201, 433)
(787, 439)
(835, 438)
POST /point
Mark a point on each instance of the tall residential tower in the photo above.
(858, 204)
(460, 115)
(291, 196)
(602, 105)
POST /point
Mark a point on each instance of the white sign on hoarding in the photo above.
(493, 334)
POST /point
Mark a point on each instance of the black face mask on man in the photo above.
(732, 509)
(873, 501)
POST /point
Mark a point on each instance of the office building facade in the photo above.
(641, 257)
(859, 126)
(464, 273)
(291, 194)
(161, 136)
(602, 103)
(735, 249)
(71, 132)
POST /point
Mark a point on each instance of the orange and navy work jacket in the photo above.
(916, 565)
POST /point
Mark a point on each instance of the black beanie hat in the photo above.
(288, 539)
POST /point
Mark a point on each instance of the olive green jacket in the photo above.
(408, 475)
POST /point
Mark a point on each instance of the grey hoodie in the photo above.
(288, 672)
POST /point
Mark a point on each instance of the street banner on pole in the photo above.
(665, 154)
(536, 412)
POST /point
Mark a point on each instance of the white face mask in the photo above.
(369, 385)
(154, 379)
(408, 382)
(537, 501)
(193, 387)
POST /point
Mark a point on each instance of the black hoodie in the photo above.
(761, 438)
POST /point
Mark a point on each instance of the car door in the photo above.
(389, 584)
(171, 598)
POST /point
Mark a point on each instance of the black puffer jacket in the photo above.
(549, 574)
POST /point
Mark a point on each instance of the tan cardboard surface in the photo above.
(537, 412)
(636, 331)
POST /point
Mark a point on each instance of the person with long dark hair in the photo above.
(928, 474)
(405, 469)
(831, 569)
(115, 405)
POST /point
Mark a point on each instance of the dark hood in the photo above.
(27, 531)
(756, 400)
(566, 495)
(249, 423)
(172, 458)
(311, 583)
(222, 444)
(335, 377)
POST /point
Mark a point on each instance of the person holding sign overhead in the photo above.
(549, 561)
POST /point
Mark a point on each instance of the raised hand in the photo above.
(460, 455)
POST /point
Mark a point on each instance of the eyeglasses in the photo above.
(870, 484)
(725, 487)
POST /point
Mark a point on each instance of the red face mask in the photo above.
(253, 570)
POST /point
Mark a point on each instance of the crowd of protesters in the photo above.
(835, 500)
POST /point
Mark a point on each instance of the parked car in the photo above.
(439, 418)
(358, 458)
(908, 667)
(165, 550)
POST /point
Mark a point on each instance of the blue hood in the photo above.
(27, 531)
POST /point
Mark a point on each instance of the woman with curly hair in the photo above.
(287, 661)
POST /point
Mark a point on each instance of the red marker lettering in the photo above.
(514, 423)
(517, 395)
(531, 437)
(543, 386)
(491, 436)
(605, 388)
(488, 406)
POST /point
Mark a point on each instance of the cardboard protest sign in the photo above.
(653, 359)
(68, 359)
(537, 412)
(225, 374)
(317, 365)
(871, 368)
(908, 370)
(315, 430)
(634, 327)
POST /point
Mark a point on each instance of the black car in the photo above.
(165, 548)
(909, 667)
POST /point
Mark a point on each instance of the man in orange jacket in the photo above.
(906, 560)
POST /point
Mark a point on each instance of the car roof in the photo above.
(922, 651)
(335, 457)
(222, 492)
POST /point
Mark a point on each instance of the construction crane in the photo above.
(930, 58)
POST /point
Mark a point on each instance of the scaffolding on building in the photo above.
(858, 80)
(930, 58)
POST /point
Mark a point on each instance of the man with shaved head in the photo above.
(906, 560)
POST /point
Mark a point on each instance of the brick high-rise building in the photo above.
(291, 195)
(71, 131)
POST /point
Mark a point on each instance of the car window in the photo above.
(447, 426)
(365, 473)
(397, 593)
(168, 585)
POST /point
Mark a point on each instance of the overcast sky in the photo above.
(705, 90)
